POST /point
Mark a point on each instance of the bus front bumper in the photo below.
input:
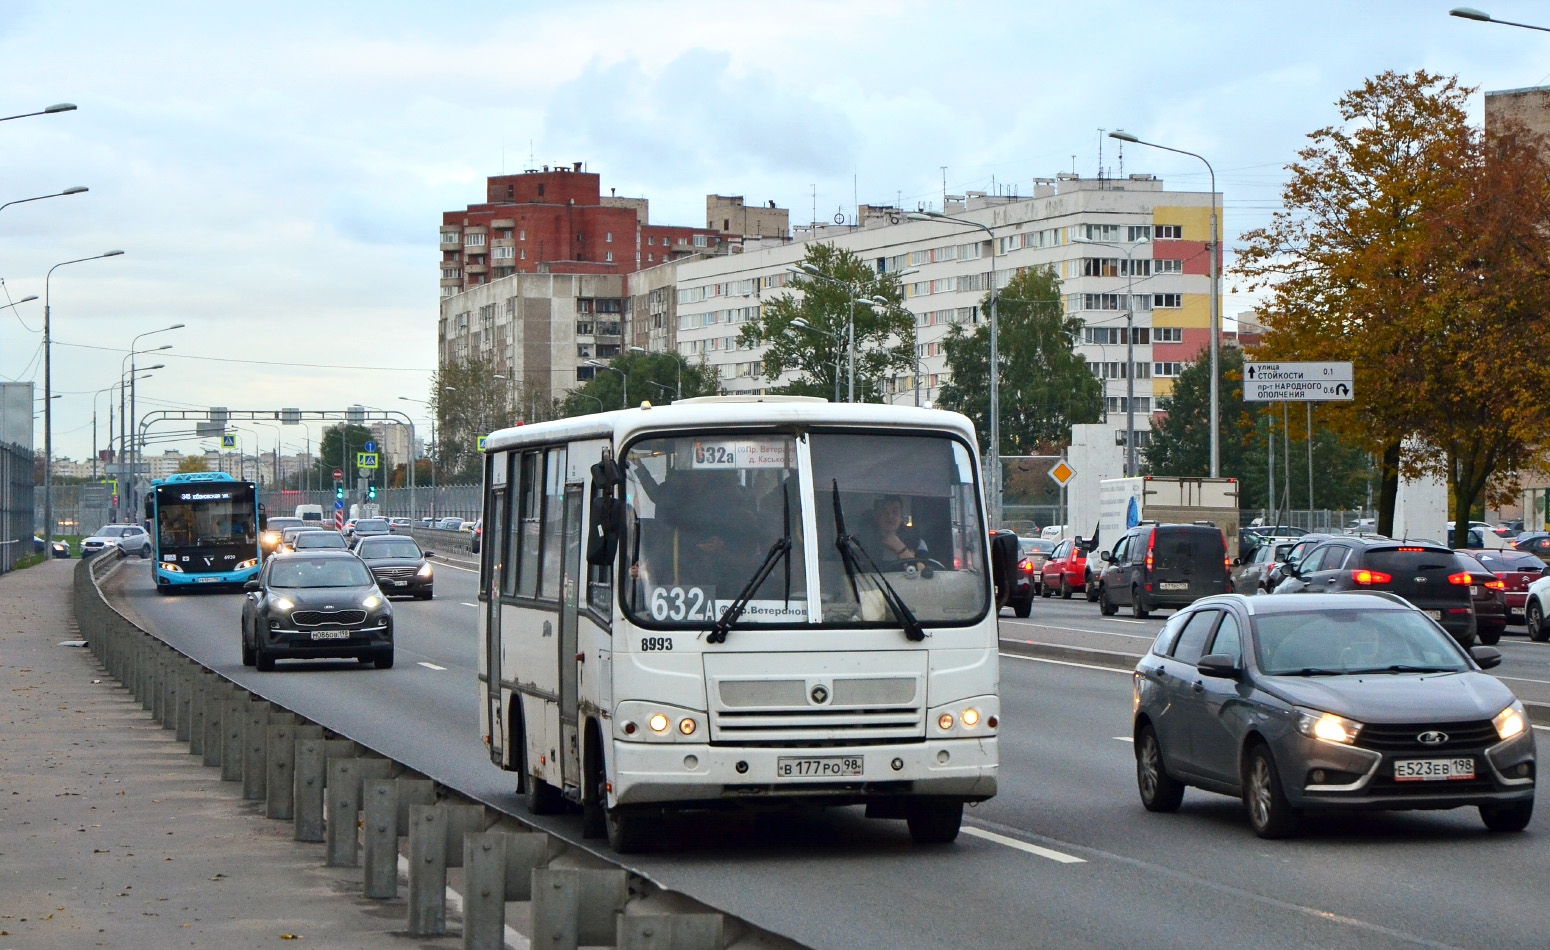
(689, 773)
(167, 578)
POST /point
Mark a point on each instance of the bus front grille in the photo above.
(818, 724)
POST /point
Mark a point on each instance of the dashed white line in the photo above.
(467, 604)
(1085, 666)
(1058, 856)
(466, 570)
(1124, 739)
(431, 666)
(1106, 633)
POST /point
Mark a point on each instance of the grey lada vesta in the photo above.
(1327, 701)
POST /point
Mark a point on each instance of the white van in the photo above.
(310, 513)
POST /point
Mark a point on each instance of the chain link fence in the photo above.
(16, 496)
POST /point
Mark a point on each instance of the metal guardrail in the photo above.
(456, 544)
(389, 819)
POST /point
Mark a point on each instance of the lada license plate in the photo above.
(824, 766)
(330, 634)
(1433, 770)
(1173, 585)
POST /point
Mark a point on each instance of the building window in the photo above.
(1167, 334)
(1138, 232)
(450, 273)
(1102, 301)
(650, 258)
(523, 254)
(1167, 301)
(449, 237)
(1117, 404)
(1099, 232)
(1100, 267)
(1168, 266)
(608, 255)
(522, 235)
(1113, 336)
(1168, 232)
(503, 253)
(473, 240)
(608, 237)
(699, 240)
(652, 241)
(1167, 370)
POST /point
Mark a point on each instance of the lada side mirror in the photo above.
(1487, 657)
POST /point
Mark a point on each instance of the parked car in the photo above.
(399, 565)
(1536, 609)
(1163, 565)
(1253, 575)
(1066, 569)
(428, 522)
(1488, 594)
(1517, 571)
(315, 539)
(312, 605)
(1302, 547)
(274, 531)
(1303, 704)
(1429, 576)
(396, 525)
(131, 538)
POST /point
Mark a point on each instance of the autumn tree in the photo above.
(816, 350)
(191, 464)
(469, 399)
(655, 377)
(1349, 263)
(1045, 385)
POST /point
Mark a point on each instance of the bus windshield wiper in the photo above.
(851, 553)
(780, 550)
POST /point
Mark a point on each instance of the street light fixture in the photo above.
(129, 418)
(48, 401)
(75, 190)
(1130, 347)
(995, 358)
(48, 110)
(1470, 13)
(623, 380)
(1216, 316)
(801, 324)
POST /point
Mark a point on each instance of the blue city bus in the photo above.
(205, 528)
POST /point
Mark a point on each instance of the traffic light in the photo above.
(339, 491)
(371, 491)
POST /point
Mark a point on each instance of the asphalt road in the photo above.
(1064, 856)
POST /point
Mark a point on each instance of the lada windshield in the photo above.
(898, 537)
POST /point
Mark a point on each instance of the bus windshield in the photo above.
(705, 513)
(206, 517)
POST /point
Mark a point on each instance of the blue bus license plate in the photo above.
(206, 580)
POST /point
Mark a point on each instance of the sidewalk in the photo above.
(112, 835)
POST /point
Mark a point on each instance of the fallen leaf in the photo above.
(289, 937)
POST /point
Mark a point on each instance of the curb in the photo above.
(1538, 713)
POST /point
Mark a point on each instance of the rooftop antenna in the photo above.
(944, 187)
(1073, 166)
(814, 225)
(1122, 159)
(1100, 153)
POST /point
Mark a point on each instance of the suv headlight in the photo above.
(1510, 721)
(1327, 726)
(280, 603)
(371, 601)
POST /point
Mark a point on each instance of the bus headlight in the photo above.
(658, 723)
(971, 718)
(686, 726)
(944, 722)
(169, 566)
(250, 562)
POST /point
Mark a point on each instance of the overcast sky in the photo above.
(275, 172)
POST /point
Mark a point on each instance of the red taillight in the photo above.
(1496, 584)
(1412, 549)
(1151, 542)
(1461, 579)
(1365, 576)
(957, 563)
(1027, 564)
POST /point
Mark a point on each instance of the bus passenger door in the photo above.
(494, 564)
(572, 582)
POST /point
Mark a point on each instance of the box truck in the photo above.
(1127, 502)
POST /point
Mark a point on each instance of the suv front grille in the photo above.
(1402, 739)
(328, 618)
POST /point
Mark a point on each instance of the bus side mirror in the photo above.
(1003, 565)
(607, 515)
(150, 507)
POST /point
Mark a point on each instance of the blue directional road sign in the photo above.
(371, 446)
(338, 504)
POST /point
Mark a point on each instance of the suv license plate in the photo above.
(1433, 770)
(827, 766)
(1434, 614)
(330, 634)
(1173, 585)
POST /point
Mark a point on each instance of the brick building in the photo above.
(558, 217)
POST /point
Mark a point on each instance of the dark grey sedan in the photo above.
(399, 566)
(1327, 701)
(316, 604)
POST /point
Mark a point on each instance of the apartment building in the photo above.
(1148, 253)
(539, 328)
(557, 220)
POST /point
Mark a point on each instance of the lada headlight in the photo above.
(1327, 726)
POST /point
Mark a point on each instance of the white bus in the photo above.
(740, 600)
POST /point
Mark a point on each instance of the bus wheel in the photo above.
(630, 828)
(933, 820)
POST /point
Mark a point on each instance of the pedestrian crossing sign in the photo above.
(365, 460)
(228, 441)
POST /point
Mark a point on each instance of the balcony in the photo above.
(451, 241)
(476, 269)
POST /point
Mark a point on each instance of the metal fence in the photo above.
(81, 509)
(16, 515)
(443, 501)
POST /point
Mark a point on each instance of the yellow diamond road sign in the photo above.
(1062, 473)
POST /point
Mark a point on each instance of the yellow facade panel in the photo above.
(1195, 220)
(1194, 315)
(1161, 388)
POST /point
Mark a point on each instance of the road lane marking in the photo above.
(467, 604)
(1124, 738)
(1107, 633)
(466, 570)
(1052, 855)
(1522, 679)
(1545, 728)
(431, 666)
(1085, 666)
(1121, 620)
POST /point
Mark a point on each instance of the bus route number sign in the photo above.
(682, 603)
(741, 453)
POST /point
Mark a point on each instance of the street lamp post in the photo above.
(75, 190)
(995, 359)
(1470, 13)
(624, 380)
(838, 338)
(1130, 348)
(1216, 316)
(809, 270)
(130, 358)
(414, 461)
(48, 394)
(49, 110)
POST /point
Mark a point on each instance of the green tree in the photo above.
(884, 330)
(469, 401)
(336, 450)
(653, 377)
(1045, 387)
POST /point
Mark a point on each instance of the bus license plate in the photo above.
(206, 580)
(826, 766)
(1433, 770)
(330, 634)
